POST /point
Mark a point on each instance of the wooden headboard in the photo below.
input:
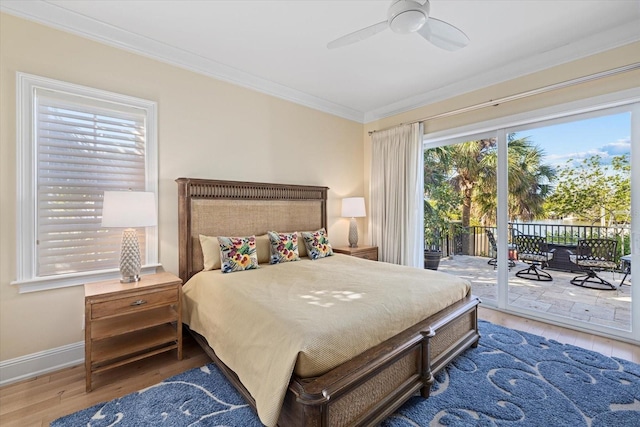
(235, 208)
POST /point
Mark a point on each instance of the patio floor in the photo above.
(559, 296)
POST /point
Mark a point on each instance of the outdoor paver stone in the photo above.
(559, 297)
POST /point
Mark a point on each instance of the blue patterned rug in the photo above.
(512, 379)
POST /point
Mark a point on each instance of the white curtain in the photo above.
(397, 194)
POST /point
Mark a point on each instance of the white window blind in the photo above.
(75, 143)
(84, 148)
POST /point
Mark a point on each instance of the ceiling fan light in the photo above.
(408, 21)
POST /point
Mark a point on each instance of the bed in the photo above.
(368, 386)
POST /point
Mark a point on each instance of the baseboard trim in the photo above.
(42, 362)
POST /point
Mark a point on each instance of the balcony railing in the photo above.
(563, 238)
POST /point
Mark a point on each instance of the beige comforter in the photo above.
(308, 315)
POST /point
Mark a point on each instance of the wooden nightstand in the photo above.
(366, 252)
(125, 322)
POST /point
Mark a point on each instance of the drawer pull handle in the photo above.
(139, 302)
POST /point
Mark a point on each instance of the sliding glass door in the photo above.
(538, 213)
(569, 205)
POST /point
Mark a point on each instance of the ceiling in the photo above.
(279, 47)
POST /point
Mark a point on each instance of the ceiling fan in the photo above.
(410, 16)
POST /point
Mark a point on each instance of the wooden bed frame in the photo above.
(362, 391)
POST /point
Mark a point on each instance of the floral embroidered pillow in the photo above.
(317, 244)
(238, 253)
(284, 247)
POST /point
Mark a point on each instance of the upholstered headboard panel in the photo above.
(233, 208)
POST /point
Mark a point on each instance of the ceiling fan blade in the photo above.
(359, 35)
(443, 35)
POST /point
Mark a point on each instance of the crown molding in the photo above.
(611, 39)
(57, 17)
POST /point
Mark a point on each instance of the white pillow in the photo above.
(210, 252)
(263, 247)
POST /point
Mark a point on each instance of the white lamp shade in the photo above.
(353, 207)
(129, 209)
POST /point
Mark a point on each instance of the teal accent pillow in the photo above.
(317, 244)
(238, 253)
(284, 247)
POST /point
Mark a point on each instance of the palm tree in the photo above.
(529, 180)
(472, 169)
(471, 161)
(529, 183)
(439, 198)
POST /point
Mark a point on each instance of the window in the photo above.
(73, 144)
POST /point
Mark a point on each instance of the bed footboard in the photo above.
(370, 387)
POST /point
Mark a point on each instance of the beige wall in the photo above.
(207, 128)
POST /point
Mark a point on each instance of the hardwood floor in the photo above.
(38, 401)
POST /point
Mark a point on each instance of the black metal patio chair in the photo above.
(533, 250)
(494, 248)
(626, 267)
(593, 255)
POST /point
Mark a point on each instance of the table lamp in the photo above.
(353, 207)
(129, 209)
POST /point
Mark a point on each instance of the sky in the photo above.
(606, 136)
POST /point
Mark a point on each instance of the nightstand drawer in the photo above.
(369, 254)
(133, 302)
(364, 252)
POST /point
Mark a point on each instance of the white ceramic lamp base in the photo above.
(353, 233)
(130, 257)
